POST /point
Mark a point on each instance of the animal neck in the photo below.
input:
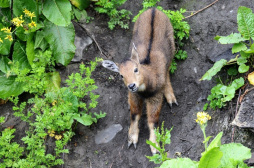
(146, 81)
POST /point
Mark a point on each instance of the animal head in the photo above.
(130, 71)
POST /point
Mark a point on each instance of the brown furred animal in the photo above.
(146, 73)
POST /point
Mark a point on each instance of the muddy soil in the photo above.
(202, 49)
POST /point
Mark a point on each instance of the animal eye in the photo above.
(121, 76)
(136, 70)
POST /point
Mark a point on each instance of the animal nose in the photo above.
(131, 86)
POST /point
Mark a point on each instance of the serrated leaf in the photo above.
(9, 87)
(86, 120)
(244, 55)
(230, 39)
(156, 158)
(19, 55)
(245, 20)
(61, 40)
(179, 163)
(237, 47)
(214, 70)
(251, 78)
(211, 159)
(54, 81)
(243, 68)
(62, 11)
(233, 151)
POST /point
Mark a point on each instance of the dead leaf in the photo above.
(251, 78)
(3, 101)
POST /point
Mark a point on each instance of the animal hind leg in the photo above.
(136, 106)
(168, 92)
(153, 111)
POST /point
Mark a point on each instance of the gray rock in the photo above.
(107, 134)
(245, 115)
(81, 43)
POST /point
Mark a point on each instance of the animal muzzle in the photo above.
(132, 87)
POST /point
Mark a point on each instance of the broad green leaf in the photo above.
(230, 39)
(5, 17)
(86, 119)
(241, 60)
(237, 47)
(58, 11)
(9, 87)
(232, 71)
(211, 159)
(179, 163)
(19, 55)
(81, 4)
(250, 50)
(4, 3)
(245, 20)
(244, 55)
(243, 68)
(70, 98)
(20, 32)
(233, 151)
(54, 81)
(61, 40)
(6, 44)
(207, 139)
(4, 64)
(101, 115)
(229, 93)
(40, 41)
(237, 83)
(216, 142)
(214, 70)
(30, 48)
(20, 5)
(80, 15)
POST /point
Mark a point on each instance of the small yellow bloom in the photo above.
(6, 30)
(202, 117)
(31, 14)
(54, 103)
(17, 21)
(32, 24)
(51, 133)
(1, 40)
(9, 37)
(26, 11)
(58, 137)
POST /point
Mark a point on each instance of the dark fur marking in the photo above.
(147, 59)
(133, 117)
(125, 60)
(156, 124)
(147, 94)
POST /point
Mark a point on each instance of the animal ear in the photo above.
(134, 54)
(110, 65)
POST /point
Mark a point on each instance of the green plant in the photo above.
(181, 28)
(51, 118)
(243, 45)
(117, 17)
(215, 155)
(30, 28)
(162, 137)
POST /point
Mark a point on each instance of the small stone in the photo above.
(107, 134)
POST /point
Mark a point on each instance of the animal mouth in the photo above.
(133, 90)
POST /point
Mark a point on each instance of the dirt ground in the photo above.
(186, 136)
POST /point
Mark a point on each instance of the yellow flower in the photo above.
(6, 30)
(17, 21)
(51, 133)
(202, 117)
(32, 24)
(58, 137)
(31, 14)
(26, 11)
(1, 40)
(9, 37)
(54, 103)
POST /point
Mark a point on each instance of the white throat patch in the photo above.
(142, 87)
